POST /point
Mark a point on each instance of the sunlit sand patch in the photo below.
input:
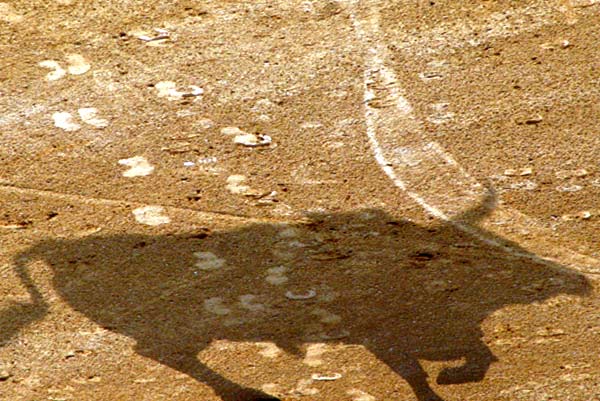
(269, 349)
(326, 316)
(151, 215)
(303, 388)
(57, 73)
(215, 306)
(65, 121)
(314, 353)
(77, 64)
(208, 261)
(283, 255)
(235, 186)
(359, 395)
(288, 232)
(263, 106)
(88, 115)
(230, 131)
(271, 388)
(248, 302)
(138, 166)
(204, 123)
(9, 14)
(169, 90)
(276, 275)
(440, 113)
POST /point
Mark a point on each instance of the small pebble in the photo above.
(526, 171)
(430, 75)
(332, 377)
(514, 172)
(207, 160)
(526, 185)
(158, 39)
(252, 140)
(534, 120)
(301, 296)
(554, 45)
(585, 215)
(569, 188)
(4, 373)
(144, 381)
(565, 174)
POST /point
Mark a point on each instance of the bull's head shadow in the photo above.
(403, 291)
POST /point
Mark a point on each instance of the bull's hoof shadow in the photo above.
(460, 375)
(248, 394)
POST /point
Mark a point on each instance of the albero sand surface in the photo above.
(299, 200)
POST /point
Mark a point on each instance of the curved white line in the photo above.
(381, 85)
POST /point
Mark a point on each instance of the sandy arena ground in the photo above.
(300, 200)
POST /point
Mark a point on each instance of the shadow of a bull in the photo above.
(403, 291)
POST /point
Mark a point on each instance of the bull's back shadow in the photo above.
(404, 291)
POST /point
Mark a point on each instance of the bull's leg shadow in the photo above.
(409, 368)
(186, 361)
(479, 359)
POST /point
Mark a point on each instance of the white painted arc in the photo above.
(400, 113)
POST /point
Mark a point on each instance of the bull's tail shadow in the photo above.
(20, 314)
(473, 216)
